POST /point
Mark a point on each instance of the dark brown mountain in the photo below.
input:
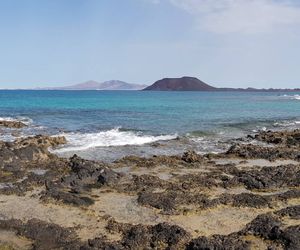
(180, 84)
(187, 83)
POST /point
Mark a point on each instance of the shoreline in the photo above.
(245, 198)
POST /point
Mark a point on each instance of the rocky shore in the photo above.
(245, 198)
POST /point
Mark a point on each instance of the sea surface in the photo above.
(106, 125)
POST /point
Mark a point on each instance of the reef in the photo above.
(245, 198)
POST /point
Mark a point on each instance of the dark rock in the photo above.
(270, 177)
(191, 156)
(250, 151)
(84, 175)
(160, 236)
(286, 138)
(290, 237)
(218, 242)
(12, 124)
(165, 201)
(145, 182)
(68, 197)
(90, 172)
(28, 150)
(101, 243)
(265, 226)
(180, 84)
(246, 200)
(45, 235)
(293, 212)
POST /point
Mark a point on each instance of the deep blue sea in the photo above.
(106, 125)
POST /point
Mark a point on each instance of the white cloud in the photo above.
(241, 16)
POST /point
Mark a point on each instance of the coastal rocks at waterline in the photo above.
(12, 124)
(246, 198)
(28, 149)
(84, 176)
(285, 138)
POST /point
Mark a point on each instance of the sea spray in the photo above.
(113, 137)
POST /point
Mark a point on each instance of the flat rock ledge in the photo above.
(245, 198)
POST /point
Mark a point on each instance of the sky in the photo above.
(232, 43)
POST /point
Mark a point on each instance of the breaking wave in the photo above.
(113, 137)
(24, 119)
(294, 97)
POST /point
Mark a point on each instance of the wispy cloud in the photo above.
(241, 16)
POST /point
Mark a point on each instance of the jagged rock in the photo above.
(290, 237)
(286, 138)
(270, 177)
(160, 236)
(191, 156)
(83, 176)
(265, 226)
(250, 151)
(25, 150)
(218, 242)
(293, 212)
(245, 200)
(12, 124)
(45, 235)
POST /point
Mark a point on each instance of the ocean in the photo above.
(107, 125)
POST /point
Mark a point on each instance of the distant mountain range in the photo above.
(93, 85)
(187, 83)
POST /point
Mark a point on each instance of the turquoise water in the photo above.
(119, 118)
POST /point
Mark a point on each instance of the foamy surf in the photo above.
(24, 119)
(113, 137)
(294, 97)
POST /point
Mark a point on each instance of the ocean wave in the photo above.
(287, 123)
(294, 97)
(26, 120)
(113, 137)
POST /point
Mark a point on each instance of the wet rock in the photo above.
(191, 156)
(40, 141)
(26, 150)
(286, 138)
(12, 124)
(156, 160)
(250, 151)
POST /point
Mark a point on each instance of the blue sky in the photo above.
(234, 43)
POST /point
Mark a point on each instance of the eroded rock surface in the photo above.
(12, 124)
(246, 198)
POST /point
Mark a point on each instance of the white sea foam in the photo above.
(297, 97)
(24, 119)
(113, 137)
(294, 97)
(287, 123)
